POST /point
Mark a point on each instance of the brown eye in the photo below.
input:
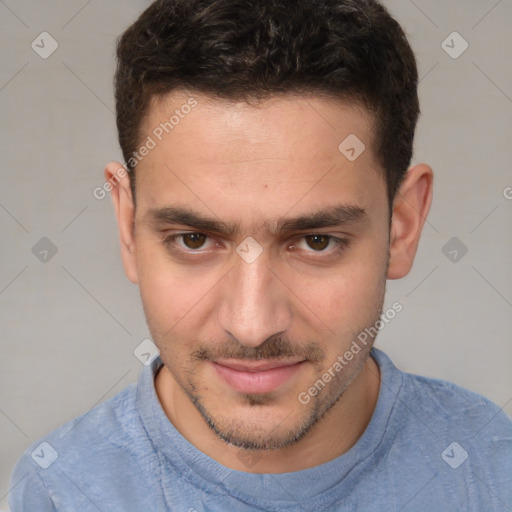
(318, 242)
(194, 240)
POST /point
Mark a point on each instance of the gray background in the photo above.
(70, 324)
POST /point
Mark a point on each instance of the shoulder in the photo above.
(94, 441)
(443, 403)
(456, 437)
(469, 426)
(111, 419)
(466, 431)
(454, 407)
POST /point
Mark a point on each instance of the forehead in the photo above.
(280, 124)
(282, 146)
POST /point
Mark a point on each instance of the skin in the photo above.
(253, 166)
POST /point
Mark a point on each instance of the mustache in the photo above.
(272, 348)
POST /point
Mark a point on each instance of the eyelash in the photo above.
(341, 243)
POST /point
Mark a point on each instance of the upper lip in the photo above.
(258, 366)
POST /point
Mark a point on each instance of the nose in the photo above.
(253, 304)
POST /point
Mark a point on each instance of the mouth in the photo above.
(257, 376)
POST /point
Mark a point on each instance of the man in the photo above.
(265, 200)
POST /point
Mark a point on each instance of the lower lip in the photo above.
(263, 381)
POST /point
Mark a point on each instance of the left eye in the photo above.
(320, 242)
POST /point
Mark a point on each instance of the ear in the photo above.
(410, 210)
(118, 179)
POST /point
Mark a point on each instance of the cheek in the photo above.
(174, 298)
(353, 300)
(162, 292)
(349, 299)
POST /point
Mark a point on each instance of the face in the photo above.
(258, 243)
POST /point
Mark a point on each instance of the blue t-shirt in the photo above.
(430, 446)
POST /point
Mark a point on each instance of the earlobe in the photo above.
(410, 209)
(118, 179)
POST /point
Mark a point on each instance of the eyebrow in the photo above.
(334, 216)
